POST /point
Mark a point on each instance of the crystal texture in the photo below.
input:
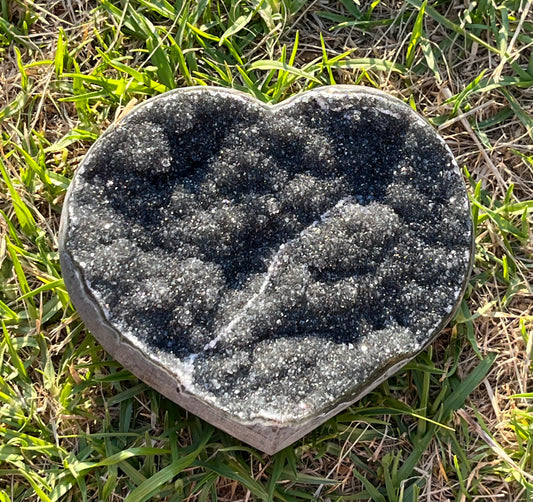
(276, 261)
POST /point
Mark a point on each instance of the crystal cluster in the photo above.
(276, 260)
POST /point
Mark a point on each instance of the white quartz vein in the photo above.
(272, 268)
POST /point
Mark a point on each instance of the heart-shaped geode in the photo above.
(265, 266)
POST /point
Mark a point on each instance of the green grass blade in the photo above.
(231, 469)
(373, 492)
(370, 64)
(240, 23)
(59, 59)
(462, 391)
(152, 485)
(416, 35)
(278, 65)
(278, 461)
(24, 216)
(15, 359)
(22, 71)
(525, 118)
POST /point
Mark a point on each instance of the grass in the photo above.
(455, 424)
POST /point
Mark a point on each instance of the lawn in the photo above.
(456, 424)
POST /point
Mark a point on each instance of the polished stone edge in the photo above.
(269, 437)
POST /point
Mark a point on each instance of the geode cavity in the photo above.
(265, 266)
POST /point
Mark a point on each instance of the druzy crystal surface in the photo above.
(275, 261)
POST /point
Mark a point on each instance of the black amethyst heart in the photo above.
(265, 266)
